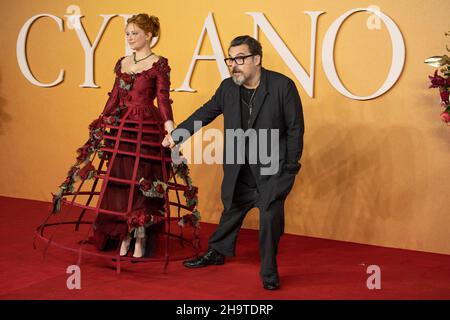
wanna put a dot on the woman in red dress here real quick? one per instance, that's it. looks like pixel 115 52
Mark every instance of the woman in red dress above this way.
pixel 128 137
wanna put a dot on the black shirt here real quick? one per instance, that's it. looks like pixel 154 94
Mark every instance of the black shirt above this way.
pixel 246 95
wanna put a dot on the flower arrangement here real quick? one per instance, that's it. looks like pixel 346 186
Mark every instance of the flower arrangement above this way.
pixel 190 194
pixel 155 189
pixel 83 168
pixel 441 79
pixel 158 188
pixel 138 220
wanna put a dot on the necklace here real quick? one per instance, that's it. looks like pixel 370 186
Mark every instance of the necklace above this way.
pixel 136 61
pixel 250 102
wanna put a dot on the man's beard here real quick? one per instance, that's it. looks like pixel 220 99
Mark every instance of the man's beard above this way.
pixel 238 78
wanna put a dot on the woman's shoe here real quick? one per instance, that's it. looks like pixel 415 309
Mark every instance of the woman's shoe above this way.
pixel 125 246
pixel 139 248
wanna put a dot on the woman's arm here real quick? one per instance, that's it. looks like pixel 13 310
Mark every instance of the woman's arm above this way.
pixel 163 93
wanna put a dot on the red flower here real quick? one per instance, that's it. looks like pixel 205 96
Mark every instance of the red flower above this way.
pixel 436 80
pixel 445 116
pixel 142 219
pixel 83 152
pixel 182 170
pixel 84 172
pixel 127 78
pixel 137 219
pixel 444 96
pixel 95 124
pixel 159 188
pixel 144 185
pixel 191 193
pixel 97 135
pixel 85 148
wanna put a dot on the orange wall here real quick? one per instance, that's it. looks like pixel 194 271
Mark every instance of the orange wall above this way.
pixel 374 171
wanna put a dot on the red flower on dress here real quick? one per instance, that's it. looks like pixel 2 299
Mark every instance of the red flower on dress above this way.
pixel 86 171
pixel 127 78
pixel 137 219
pixel 144 185
pixel 96 124
pixel 126 82
pixel 159 188
pixel 83 152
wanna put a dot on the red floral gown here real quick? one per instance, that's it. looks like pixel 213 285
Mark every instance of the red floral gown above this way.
pixel 130 106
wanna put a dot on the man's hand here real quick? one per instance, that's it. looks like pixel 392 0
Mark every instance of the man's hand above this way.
pixel 168 141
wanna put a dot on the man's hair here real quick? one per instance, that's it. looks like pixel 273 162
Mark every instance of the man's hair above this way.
pixel 253 45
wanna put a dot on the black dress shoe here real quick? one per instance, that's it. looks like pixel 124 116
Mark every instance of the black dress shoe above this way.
pixel 210 257
pixel 271 285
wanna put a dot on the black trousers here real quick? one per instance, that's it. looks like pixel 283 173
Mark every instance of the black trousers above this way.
pixel 271 224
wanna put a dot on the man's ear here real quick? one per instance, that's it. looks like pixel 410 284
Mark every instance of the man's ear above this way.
pixel 257 59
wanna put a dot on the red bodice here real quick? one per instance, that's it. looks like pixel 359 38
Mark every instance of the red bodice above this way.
pixel 139 90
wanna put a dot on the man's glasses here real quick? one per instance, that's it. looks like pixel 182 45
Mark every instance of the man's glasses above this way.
pixel 239 60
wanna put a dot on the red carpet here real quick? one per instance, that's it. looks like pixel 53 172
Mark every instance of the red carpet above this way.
pixel 310 268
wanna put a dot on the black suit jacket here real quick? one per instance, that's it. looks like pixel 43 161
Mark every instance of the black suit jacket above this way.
pixel 277 106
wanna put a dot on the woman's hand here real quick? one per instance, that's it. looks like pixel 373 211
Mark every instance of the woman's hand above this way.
pixel 169 126
pixel 168 141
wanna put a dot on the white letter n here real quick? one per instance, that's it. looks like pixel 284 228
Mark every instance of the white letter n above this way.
pixel 306 81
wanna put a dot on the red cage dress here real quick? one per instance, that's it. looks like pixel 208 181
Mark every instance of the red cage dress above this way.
pixel 134 169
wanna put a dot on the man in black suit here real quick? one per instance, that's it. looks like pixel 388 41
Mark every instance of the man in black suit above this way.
pixel 263 104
